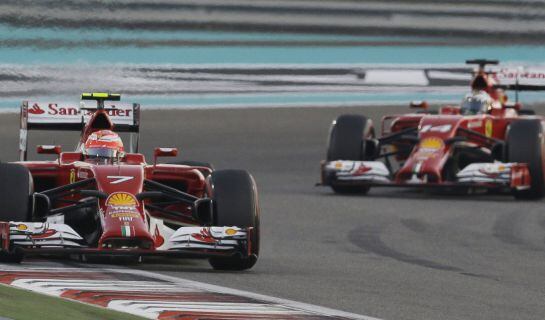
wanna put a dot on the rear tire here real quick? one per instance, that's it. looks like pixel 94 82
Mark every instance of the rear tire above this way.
pixel 525 145
pixel 234 195
pixel 347 142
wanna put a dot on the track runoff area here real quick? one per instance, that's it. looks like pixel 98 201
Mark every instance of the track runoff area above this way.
pixel 393 254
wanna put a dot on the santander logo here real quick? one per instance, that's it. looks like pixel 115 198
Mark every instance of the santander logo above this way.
pixel 36 109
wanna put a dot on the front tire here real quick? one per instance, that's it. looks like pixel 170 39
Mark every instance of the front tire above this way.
pixel 234 195
pixel 347 141
pixel 16 190
pixel 525 145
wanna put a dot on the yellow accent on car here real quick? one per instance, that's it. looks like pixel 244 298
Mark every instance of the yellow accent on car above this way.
pixel 100 95
pixel 488 128
pixel 72 175
pixel 122 199
pixel 431 143
pixel 230 232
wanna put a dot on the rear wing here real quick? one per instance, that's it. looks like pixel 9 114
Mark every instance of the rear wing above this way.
pixel 520 78
pixel 73 117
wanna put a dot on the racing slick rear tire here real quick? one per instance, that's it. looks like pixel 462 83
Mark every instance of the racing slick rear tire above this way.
pixel 16 188
pixel 347 142
pixel 234 195
pixel 525 145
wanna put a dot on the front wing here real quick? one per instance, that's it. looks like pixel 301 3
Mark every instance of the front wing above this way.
pixel 495 175
pixel 36 238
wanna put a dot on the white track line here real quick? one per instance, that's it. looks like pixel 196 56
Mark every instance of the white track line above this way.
pixel 165 283
pixel 219 289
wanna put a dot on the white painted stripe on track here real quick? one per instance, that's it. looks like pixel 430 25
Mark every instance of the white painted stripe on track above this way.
pixel 57 287
pixel 309 308
pixel 153 310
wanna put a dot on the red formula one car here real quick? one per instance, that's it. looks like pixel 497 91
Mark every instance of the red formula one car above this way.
pixel 101 200
pixel 485 143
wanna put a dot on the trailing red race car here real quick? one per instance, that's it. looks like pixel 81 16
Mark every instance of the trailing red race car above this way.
pixel 484 143
pixel 102 200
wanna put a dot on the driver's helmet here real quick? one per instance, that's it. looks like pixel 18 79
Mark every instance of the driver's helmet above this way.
pixel 103 144
pixel 476 103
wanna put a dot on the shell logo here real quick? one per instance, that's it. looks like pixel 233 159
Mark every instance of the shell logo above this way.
pixel 230 232
pixel 431 144
pixel 122 199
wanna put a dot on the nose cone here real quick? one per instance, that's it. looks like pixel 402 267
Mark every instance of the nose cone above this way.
pixel 426 161
pixel 125 226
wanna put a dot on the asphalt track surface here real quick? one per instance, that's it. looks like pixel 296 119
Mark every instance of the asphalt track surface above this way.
pixel 393 254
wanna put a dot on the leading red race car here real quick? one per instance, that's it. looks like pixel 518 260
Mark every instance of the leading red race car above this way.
pixel 485 143
pixel 101 200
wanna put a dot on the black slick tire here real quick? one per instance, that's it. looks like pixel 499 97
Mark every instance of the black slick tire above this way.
pixel 525 144
pixel 347 142
pixel 16 190
pixel 234 195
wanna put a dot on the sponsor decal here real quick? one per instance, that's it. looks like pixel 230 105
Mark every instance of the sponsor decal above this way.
pixel 488 128
pixel 121 199
pixel 54 109
pixel 119 179
pixel 474 124
pixel 35 109
pixel 83 174
pixel 125 214
pixel 71 113
pixel 22 227
pixel 431 145
pixel 442 128
pixel 72 175
pixel 122 206
pixel 230 232
pixel 428 148
pixel 514 74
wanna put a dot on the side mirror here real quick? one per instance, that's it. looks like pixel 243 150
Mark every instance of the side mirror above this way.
pixel 419 105
pixel 164 152
pixel 49 149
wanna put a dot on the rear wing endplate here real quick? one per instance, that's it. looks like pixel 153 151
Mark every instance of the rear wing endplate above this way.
pixel 72 117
